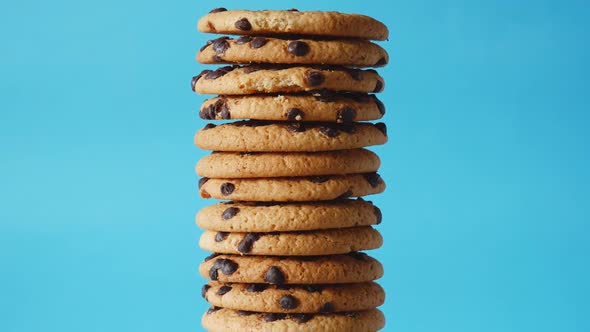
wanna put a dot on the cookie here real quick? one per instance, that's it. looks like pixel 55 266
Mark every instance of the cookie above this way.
pixel 265 217
pixel 343 108
pixel 292 22
pixel 337 269
pixel 309 243
pixel 247 49
pixel 227 320
pixel 259 136
pixel 295 298
pixel 279 164
pixel 299 189
pixel 252 79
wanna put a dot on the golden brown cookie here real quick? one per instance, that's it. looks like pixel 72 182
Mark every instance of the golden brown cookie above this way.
pixel 227 320
pixel 299 189
pixel 280 164
pixel 269 217
pixel 343 108
pixel 259 136
pixel 292 22
pixel 309 243
pixel 294 298
pixel 248 49
pixel 337 269
pixel 252 79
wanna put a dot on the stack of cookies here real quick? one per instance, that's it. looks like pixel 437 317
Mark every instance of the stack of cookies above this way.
pixel 286 242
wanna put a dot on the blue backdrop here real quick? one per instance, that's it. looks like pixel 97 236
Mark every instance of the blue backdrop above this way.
pixel 487 210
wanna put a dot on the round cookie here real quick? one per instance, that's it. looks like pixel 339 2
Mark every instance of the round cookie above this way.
pixel 258 136
pixel 337 269
pixel 299 189
pixel 310 243
pixel 292 22
pixel 252 79
pixel 295 298
pixel 265 217
pixel 342 108
pixel 247 49
pixel 227 320
pixel 279 164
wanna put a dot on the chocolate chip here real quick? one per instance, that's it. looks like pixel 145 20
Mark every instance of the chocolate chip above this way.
pixel 243 40
pixel 245 313
pixel 220 236
pixel 252 68
pixel 196 78
pixel 256 288
pixel 225 115
pixel 230 213
pixel 245 246
pixel 227 267
pixel 313 288
pixel 207 44
pixel 288 302
pixel 382 62
pixel 359 256
pixel 210 257
pixel 271 317
pixel 243 24
pixel 380 105
pixel 258 42
pixel 296 127
pixel 211 75
pixel 346 114
pixel 329 131
pixel 382 127
pixel 227 188
pixel 314 78
pixel 373 178
pixel 355 74
pixel 327 307
pixel 218 10
pixel 319 178
pixel 301 318
pixel 212 310
pixel 217 58
pixel 298 48
pixel 223 290
pixel 378 214
pixel 209 126
pixel 204 291
pixel 345 194
pixel 220 45
pixel 293 10
pixel 274 275
pixel 202 181
pixel 295 114
pixel 378 86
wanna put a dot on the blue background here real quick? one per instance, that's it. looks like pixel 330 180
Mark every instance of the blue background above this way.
pixel 486 214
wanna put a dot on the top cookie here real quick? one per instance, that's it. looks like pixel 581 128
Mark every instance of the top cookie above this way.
pixel 292 22
pixel 247 49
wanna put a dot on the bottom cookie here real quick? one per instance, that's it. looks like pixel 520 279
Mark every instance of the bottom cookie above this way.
pixel 222 320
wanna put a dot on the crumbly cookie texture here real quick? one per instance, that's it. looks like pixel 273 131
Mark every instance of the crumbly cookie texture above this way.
pixel 252 79
pixel 224 320
pixel 292 22
pixel 310 243
pixel 336 269
pixel 295 298
pixel 247 49
pixel 297 189
pixel 280 164
pixel 268 217
pixel 343 108
pixel 258 136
